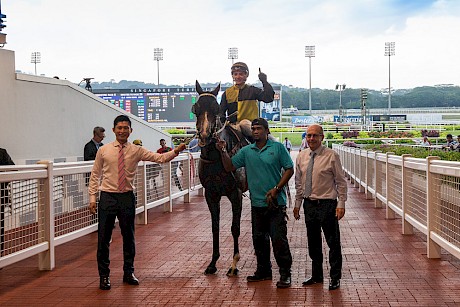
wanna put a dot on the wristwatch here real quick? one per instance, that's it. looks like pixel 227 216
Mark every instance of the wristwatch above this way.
pixel 277 188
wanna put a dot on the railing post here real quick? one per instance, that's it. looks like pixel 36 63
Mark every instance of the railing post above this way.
pixel 352 165
pixel 368 176
pixel 407 228
pixel 378 190
pixel 433 249
pixel 390 214
pixel 357 168
pixel 187 166
pixel 362 170
pixel 349 164
pixel 142 197
pixel 168 205
pixel 46 260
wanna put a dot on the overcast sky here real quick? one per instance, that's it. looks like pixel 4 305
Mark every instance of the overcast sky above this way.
pixel 113 39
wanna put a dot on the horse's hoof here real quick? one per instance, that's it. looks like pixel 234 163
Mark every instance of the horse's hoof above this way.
pixel 232 272
pixel 210 270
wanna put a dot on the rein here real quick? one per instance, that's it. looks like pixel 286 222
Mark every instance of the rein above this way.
pixel 192 161
pixel 227 122
pixel 196 145
pixel 192 170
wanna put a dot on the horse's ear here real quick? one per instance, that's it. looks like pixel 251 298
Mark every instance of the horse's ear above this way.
pixel 199 90
pixel 216 90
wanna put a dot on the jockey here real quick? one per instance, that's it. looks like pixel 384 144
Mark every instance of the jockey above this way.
pixel 240 102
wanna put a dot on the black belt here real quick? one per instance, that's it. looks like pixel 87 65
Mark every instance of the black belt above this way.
pixel 118 193
pixel 320 201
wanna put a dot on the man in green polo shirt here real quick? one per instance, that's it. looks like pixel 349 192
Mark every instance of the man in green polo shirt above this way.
pixel 264 160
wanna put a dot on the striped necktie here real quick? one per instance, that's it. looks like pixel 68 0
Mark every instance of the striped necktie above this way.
pixel 309 175
pixel 121 170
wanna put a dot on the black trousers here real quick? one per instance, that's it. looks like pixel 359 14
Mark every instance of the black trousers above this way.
pixel 272 224
pixel 112 205
pixel 320 215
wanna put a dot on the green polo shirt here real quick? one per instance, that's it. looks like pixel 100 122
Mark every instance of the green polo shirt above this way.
pixel 263 169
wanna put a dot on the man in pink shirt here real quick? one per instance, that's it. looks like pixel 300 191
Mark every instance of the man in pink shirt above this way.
pixel 321 188
pixel 116 163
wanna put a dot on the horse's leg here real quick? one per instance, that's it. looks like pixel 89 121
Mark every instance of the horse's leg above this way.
pixel 213 202
pixel 237 205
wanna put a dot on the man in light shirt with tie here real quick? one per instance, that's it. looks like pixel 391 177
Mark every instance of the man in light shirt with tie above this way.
pixel 116 163
pixel 322 189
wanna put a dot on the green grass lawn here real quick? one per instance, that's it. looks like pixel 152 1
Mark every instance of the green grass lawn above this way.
pixel 294 137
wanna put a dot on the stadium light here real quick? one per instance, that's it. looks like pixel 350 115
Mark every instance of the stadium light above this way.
pixel 2 20
pixel 340 88
pixel 232 54
pixel 35 59
pixel 2 16
pixel 158 56
pixel 389 51
pixel 309 53
pixel 363 104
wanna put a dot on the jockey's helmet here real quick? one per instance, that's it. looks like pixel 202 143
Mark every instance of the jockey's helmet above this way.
pixel 241 67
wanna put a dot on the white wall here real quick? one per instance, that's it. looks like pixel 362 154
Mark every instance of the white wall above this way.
pixel 46 119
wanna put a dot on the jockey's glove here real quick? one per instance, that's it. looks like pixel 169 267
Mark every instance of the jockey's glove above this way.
pixel 262 77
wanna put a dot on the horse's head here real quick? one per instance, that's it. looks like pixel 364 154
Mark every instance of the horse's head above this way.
pixel 206 110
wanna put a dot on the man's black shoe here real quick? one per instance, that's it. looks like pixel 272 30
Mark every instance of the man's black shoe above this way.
pixel 104 283
pixel 312 281
pixel 334 284
pixel 284 282
pixel 130 279
pixel 259 277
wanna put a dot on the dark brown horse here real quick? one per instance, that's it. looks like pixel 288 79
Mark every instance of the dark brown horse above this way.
pixel 215 180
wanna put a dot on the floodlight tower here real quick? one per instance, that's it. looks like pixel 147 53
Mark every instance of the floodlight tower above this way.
pixel 389 51
pixel 2 20
pixel 35 59
pixel 233 54
pixel 158 56
pixel 309 53
pixel 340 87
pixel 363 105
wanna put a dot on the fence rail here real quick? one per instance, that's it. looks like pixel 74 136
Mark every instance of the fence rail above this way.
pixel 425 193
pixel 45 205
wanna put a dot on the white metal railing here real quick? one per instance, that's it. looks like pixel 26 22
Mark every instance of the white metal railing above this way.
pixel 425 193
pixel 46 204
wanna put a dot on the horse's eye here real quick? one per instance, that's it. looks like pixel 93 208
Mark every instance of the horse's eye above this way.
pixel 194 109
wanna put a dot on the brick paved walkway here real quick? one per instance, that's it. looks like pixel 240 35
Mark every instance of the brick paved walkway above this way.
pixel 381 266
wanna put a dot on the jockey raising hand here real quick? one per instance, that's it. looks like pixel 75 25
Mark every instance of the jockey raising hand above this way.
pixel 239 103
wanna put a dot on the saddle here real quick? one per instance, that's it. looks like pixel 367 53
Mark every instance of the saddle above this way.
pixel 239 140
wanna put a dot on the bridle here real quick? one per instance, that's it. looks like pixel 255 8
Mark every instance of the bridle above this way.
pixel 214 132
pixel 217 132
